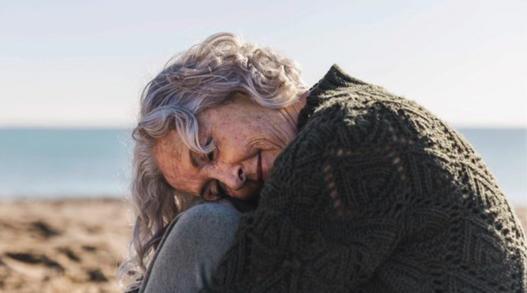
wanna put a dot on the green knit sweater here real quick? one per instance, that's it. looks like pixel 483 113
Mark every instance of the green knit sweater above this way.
pixel 375 194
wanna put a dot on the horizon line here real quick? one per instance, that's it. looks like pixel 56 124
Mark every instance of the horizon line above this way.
pixel 131 126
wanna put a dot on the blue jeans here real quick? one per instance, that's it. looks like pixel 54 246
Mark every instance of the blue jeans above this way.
pixel 191 248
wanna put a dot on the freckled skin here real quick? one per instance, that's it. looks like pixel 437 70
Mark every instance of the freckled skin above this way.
pixel 242 132
pixel 166 146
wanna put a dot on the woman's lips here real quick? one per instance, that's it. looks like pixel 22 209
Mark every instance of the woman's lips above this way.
pixel 259 167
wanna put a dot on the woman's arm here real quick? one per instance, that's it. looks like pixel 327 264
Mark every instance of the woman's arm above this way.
pixel 329 214
pixel 376 195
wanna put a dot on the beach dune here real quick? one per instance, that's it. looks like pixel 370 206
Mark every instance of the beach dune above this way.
pixel 67 245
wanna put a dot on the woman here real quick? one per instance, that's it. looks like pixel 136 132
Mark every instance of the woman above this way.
pixel 357 189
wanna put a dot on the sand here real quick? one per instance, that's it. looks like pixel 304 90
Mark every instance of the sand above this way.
pixel 62 246
pixel 68 245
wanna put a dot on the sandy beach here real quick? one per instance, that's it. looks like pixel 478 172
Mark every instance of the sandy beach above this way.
pixel 62 246
pixel 68 245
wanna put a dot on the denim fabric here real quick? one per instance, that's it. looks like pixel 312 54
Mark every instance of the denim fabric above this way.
pixel 191 248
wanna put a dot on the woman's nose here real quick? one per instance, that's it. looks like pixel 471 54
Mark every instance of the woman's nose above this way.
pixel 233 177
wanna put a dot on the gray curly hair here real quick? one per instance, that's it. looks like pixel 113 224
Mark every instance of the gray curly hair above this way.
pixel 202 77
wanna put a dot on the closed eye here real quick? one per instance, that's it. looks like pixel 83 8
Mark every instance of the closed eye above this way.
pixel 210 155
pixel 215 191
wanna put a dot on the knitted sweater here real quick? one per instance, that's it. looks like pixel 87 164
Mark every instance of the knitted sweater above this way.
pixel 375 194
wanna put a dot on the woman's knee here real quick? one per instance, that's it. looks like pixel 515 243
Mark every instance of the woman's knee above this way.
pixel 209 218
pixel 192 249
pixel 204 230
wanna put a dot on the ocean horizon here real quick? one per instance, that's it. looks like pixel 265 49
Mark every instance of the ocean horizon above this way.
pixel 61 163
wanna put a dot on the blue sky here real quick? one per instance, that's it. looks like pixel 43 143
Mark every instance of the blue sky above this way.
pixel 84 63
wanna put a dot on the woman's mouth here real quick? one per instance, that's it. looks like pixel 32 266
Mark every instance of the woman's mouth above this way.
pixel 259 167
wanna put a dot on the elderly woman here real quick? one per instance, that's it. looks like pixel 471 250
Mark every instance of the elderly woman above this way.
pixel 358 190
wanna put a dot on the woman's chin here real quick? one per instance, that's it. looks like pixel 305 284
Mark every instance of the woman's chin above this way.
pixel 244 205
pixel 252 196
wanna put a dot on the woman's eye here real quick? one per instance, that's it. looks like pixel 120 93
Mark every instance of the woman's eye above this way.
pixel 216 191
pixel 210 156
pixel 211 197
pixel 221 191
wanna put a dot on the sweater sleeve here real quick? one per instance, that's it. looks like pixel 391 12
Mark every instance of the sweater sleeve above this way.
pixel 330 212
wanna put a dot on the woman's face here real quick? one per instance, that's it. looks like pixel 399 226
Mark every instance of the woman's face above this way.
pixel 248 139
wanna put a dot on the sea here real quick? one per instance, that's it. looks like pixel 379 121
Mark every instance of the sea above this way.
pixel 84 163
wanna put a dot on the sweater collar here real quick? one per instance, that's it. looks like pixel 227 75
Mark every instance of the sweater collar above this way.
pixel 321 92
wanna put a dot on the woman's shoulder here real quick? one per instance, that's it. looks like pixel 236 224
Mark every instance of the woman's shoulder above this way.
pixel 340 95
